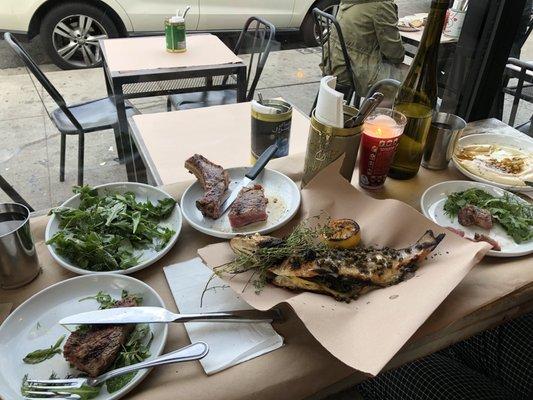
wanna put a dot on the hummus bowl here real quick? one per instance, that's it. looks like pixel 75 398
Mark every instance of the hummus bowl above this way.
pixel 501 160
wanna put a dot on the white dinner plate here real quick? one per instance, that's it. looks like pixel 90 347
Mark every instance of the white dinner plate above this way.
pixel 432 205
pixel 283 202
pixel 34 325
pixel 494 138
pixel 142 193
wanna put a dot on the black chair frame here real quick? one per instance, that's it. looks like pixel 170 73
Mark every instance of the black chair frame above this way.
pixel 325 22
pixel 260 31
pixel 58 99
pixel 525 80
pixel 13 194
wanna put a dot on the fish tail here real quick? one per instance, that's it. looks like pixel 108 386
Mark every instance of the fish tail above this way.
pixel 429 241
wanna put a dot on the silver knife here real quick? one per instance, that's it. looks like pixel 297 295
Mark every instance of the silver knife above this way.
pixel 259 165
pixel 140 315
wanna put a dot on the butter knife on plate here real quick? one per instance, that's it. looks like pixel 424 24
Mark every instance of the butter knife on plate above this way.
pixel 259 165
pixel 142 315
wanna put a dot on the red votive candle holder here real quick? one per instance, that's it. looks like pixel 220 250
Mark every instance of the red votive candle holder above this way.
pixel 381 134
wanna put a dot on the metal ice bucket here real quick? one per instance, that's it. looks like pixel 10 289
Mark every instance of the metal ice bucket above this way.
pixel 18 259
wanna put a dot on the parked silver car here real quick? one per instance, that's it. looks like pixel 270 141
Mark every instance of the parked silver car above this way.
pixel 70 29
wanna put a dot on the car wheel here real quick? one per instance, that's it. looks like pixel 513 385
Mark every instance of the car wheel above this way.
pixel 70 34
pixel 309 29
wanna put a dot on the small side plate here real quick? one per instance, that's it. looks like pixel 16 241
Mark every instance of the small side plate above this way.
pixel 432 205
pixel 283 202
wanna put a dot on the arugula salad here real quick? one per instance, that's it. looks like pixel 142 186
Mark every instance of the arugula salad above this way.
pixel 105 231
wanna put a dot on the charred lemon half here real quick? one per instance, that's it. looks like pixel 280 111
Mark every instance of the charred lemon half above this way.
pixel 342 234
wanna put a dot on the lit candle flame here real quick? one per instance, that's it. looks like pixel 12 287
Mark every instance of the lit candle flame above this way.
pixel 378 132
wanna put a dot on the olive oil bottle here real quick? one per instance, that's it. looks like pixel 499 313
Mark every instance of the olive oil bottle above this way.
pixel 417 97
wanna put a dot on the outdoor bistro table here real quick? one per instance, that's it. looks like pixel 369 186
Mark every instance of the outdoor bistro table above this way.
pixel 494 291
pixel 141 67
pixel 163 147
pixel 414 38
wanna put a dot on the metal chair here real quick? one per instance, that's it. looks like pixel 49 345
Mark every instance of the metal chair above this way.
pixel 262 33
pixel 13 194
pixel 77 119
pixel 523 71
pixel 325 23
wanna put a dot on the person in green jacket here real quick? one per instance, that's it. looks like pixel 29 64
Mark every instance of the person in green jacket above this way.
pixel 370 30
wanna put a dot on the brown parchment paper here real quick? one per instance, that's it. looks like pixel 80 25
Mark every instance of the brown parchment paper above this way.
pixel 145 53
pixel 365 334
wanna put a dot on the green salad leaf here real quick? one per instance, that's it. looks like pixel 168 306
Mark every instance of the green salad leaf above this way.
pixel 103 232
pixel 515 217
pixel 38 356
pixel 136 349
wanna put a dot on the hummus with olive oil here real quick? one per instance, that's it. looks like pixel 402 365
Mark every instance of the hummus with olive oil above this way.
pixel 496 163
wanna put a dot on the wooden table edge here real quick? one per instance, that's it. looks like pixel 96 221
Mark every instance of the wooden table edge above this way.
pixel 143 152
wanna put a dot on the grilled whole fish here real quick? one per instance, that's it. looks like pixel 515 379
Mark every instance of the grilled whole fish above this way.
pixel 343 273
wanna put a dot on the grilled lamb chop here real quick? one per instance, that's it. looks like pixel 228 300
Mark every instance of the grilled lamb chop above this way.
pixel 471 215
pixel 95 350
pixel 248 207
pixel 214 181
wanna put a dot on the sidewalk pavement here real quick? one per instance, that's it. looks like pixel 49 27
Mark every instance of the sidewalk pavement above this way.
pixel 29 155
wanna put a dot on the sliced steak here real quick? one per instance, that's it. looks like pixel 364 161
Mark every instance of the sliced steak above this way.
pixel 249 207
pixel 471 215
pixel 95 350
pixel 214 181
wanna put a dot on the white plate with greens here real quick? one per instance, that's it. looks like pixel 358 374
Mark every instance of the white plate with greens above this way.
pixel 34 325
pixel 115 233
pixel 515 235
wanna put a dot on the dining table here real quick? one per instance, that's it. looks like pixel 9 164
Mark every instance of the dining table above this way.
pixel 136 67
pixel 494 291
pixel 165 140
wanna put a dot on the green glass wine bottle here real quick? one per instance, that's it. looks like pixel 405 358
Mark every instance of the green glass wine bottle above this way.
pixel 417 96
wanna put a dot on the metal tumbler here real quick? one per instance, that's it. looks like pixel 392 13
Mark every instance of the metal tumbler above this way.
pixel 18 259
pixel 442 138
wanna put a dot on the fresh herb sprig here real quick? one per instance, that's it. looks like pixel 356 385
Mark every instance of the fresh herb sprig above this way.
pixel 304 239
pixel 515 217
pixel 107 301
pixel 136 349
pixel 103 232
pixel 38 356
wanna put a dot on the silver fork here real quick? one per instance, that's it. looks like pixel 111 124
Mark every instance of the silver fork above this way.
pixel 58 388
